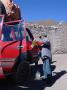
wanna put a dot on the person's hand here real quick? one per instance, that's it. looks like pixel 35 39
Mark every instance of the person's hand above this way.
pixel 10 5
pixel 10 11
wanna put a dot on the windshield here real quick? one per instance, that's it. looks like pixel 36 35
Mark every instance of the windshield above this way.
pixel 13 32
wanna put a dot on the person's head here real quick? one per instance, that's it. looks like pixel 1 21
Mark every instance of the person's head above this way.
pixel 7 0
pixel 44 35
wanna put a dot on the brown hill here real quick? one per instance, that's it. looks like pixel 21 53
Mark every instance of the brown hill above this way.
pixel 45 22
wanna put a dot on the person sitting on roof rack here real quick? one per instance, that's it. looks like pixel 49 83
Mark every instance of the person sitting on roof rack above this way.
pixel 10 10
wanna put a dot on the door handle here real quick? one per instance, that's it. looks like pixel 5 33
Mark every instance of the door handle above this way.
pixel 19 47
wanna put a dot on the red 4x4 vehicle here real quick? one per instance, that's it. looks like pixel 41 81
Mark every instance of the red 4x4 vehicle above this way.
pixel 16 51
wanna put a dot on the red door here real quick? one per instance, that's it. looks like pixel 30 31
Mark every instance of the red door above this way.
pixel 9 45
pixel 9 52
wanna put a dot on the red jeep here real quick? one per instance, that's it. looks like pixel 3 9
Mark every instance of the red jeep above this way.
pixel 16 51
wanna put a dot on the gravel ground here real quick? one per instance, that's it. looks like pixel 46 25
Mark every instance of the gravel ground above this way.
pixel 61 73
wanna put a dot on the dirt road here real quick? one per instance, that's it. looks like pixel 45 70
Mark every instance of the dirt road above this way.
pixel 59 81
pixel 61 73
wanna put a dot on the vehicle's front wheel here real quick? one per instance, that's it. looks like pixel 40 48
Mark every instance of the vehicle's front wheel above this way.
pixel 23 72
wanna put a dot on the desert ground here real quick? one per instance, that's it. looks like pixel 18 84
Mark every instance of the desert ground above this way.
pixel 59 80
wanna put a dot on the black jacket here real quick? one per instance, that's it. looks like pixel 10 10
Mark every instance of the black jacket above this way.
pixel 2 8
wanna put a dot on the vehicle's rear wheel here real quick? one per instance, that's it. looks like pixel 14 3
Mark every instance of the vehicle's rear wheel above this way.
pixel 23 72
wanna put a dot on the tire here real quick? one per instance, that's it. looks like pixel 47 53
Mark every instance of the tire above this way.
pixel 23 72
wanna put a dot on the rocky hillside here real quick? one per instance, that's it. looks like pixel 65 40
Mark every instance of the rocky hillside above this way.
pixel 57 33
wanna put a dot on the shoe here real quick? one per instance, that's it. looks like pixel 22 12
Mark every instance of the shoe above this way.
pixel 49 79
pixel 44 78
pixel 37 76
pixel 49 76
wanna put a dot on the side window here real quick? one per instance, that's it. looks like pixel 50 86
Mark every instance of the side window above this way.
pixel 6 34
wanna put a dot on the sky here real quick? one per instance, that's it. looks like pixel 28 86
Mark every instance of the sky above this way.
pixel 37 10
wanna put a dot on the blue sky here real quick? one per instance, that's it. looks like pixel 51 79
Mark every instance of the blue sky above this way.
pixel 36 10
